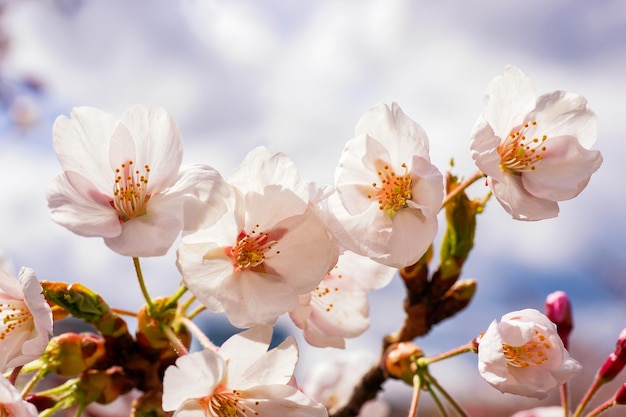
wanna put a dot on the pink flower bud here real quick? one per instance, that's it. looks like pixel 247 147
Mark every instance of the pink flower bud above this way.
pixel 620 395
pixel 559 311
pixel 616 360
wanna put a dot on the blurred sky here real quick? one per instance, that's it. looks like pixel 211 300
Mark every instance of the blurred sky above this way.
pixel 296 76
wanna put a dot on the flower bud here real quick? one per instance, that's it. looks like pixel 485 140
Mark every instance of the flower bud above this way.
pixel 70 354
pixel 400 360
pixel 616 360
pixel 559 311
pixel 41 402
pixel 104 386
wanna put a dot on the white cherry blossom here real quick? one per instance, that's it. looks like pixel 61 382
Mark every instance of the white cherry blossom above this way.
pixel 25 319
pixel 241 378
pixel 524 355
pixel 122 179
pixel 11 402
pixel 534 150
pixel 388 192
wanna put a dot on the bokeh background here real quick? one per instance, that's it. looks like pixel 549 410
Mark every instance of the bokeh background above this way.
pixel 296 76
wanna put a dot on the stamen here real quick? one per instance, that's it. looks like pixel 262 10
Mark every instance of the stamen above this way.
pixel 226 404
pixel 394 190
pixel 521 151
pixel 534 352
pixel 14 315
pixel 130 191
pixel 251 250
pixel 319 295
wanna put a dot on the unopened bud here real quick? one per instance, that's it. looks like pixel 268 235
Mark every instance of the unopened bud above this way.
pixel 400 360
pixel 559 311
pixel 70 354
pixel 41 402
pixel 104 386
pixel 616 360
pixel 620 395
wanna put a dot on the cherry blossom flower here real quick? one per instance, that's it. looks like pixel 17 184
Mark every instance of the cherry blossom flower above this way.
pixel 25 319
pixel 11 402
pixel 241 378
pixel 524 355
pixel 388 192
pixel 535 151
pixel 122 179
pixel 338 307
pixel 252 253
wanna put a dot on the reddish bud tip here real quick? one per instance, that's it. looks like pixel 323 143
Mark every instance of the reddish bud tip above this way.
pixel 620 395
pixel 559 311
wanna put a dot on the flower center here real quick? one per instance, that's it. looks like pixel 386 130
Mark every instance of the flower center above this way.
pixel 227 404
pixel 522 150
pixel 130 191
pixel 251 250
pixel 394 190
pixel 319 294
pixel 534 352
pixel 14 315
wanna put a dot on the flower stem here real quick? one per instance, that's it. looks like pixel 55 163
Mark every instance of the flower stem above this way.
pixel 602 408
pixel 196 311
pixel 461 187
pixel 597 383
pixel 14 374
pixel 42 372
pixel 142 285
pixel 124 312
pixel 448 397
pixel 202 338
pixel 176 296
pixel 417 388
pixel 449 354
pixel 437 401
pixel 565 400
pixel 177 345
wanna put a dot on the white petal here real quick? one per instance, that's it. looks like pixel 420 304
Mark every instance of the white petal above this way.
pixel 157 141
pixel 564 171
pixel 519 203
pixel 273 367
pixel 508 99
pixel 194 375
pixel 85 213
pixel 243 349
pixel 282 400
pixel 81 144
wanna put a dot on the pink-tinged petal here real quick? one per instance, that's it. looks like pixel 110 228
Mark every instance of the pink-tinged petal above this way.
pixel 151 234
pixel 158 143
pixel 81 144
pixel 273 367
pixel 194 375
pixel 519 203
pixel 362 157
pixel 41 312
pixel 565 114
pixel 243 349
pixel 564 171
pixel 427 187
pixel 484 148
pixel 394 130
pixel 271 206
pixel 268 169
pixel 340 313
pixel 12 403
pixel 85 213
pixel 509 97
pixel 251 298
pixel 404 248
pixel 10 288
pixel 121 149
pixel 282 400
pixel 307 251
pixel 204 266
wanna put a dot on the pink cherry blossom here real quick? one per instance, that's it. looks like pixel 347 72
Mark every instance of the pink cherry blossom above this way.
pixel 241 378
pixel 524 355
pixel 534 150
pixel 338 307
pixel 11 402
pixel 388 192
pixel 25 319
pixel 254 250
pixel 122 179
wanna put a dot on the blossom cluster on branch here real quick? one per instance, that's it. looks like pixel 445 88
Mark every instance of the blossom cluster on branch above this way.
pixel 263 243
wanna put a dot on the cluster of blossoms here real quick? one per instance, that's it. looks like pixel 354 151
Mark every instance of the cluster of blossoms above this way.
pixel 262 243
